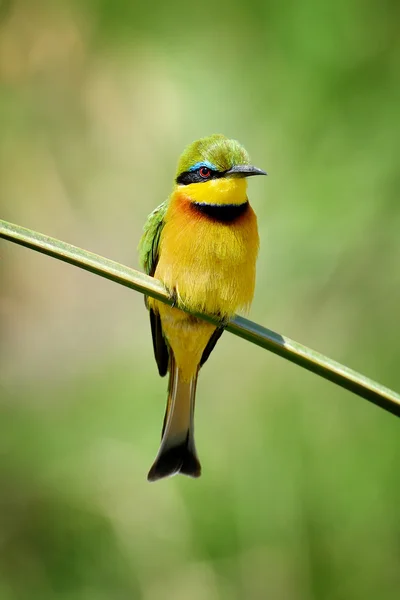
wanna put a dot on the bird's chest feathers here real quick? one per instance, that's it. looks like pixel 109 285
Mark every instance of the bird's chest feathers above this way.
pixel 209 262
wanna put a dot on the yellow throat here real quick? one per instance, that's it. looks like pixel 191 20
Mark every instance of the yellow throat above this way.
pixel 225 190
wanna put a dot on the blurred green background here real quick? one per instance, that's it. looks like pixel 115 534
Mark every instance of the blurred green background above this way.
pixel 300 493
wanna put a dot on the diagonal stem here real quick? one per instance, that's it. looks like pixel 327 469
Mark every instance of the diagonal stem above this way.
pixel 252 332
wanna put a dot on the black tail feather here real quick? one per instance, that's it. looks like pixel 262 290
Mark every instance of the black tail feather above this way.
pixel 176 459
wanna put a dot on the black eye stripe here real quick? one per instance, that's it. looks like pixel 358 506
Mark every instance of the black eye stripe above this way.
pixel 188 177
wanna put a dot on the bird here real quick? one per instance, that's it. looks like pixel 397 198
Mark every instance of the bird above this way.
pixel 202 243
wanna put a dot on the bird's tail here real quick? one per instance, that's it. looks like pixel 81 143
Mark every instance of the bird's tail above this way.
pixel 177 453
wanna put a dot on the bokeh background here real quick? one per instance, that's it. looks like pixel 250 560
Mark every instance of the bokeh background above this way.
pixel 300 493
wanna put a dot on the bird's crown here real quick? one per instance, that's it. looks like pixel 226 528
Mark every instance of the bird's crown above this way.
pixel 215 152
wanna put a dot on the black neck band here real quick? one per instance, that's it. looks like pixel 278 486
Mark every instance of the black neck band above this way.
pixel 224 213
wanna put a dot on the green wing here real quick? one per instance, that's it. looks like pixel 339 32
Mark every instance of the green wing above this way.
pixel 149 247
pixel 150 241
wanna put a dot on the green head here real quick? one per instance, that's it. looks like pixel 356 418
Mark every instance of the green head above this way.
pixel 214 157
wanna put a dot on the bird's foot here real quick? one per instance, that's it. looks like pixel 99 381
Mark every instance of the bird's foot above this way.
pixel 173 295
pixel 223 321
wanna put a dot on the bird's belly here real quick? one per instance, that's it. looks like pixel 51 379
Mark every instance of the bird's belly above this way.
pixel 210 265
pixel 187 337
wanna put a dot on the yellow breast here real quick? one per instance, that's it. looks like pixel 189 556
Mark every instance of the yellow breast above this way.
pixel 210 265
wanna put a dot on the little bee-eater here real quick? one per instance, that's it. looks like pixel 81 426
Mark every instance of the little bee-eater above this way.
pixel 202 243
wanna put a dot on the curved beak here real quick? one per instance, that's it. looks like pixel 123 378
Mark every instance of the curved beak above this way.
pixel 244 171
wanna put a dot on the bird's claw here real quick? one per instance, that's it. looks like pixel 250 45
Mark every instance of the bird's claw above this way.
pixel 174 298
pixel 224 322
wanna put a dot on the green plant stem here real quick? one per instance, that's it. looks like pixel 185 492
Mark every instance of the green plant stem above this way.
pixel 274 342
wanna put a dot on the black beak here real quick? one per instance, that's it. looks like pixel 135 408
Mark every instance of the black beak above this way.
pixel 244 171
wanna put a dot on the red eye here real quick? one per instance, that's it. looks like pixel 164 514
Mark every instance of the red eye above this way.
pixel 204 172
